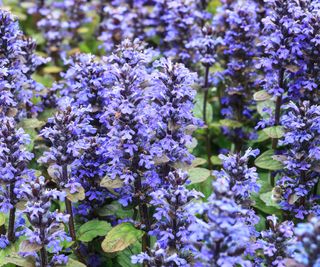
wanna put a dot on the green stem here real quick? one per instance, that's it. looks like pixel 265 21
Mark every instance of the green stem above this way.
pixel 204 115
pixel 277 119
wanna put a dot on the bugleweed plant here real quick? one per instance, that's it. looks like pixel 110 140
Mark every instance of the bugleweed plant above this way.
pixel 160 133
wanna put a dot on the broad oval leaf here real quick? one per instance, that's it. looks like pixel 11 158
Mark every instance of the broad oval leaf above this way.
pixel 198 161
pixel 92 229
pixel 76 197
pixel 16 259
pixel 115 209
pixel 268 199
pixel 31 123
pixel 107 182
pixel 215 160
pixel 266 161
pixel 27 246
pixel 274 132
pixel 261 96
pixel 52 69
pixel 261 205
pixel 198 108
pixel 198 175
pixel 120 237
pixel 230 123
pixel 73 263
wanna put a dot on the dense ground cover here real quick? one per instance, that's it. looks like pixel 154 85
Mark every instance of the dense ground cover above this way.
pixel 160 133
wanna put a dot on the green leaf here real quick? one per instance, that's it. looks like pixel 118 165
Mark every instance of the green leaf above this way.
pixel 27 246
pixel 2 219
pixel 192 145
pixel 52 69
pixel 46 114
pixel 266 161
pixel 265 104
pixel 76 197
pixel 116 209
pixel 215 128
pixel 268 199
pixel 107 182
pixel 124 257
pixel 46 80
pixel 120 237
pixel 198 161
pixel 74 263
pixel 198 108
pixel 31 123
pixel 17 260
pixel 92 229
pixel 264 182
pixel 261 96
pixel 260 205
pixel 198 175
pixel 230 123
pixel 274 132
pixel 215 160
pixel 262 136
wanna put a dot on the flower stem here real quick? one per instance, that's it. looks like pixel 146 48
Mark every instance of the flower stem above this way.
pixel 204 115
pixel 69 210
pixel 277 118
pixel 71 220
pixel 143 209
pixel 43 257
pixel 12 214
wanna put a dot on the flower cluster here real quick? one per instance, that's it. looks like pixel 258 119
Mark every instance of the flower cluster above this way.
pixel 127 119
pixel 300 176
pixel 172 222
pixel 172 98
pixel 14 160
pixel 236 48
pixel 241 178
pixel 89 173
pixel 281 44
pixel 218 236
pixel 275 240
pixel 65 133
pixel 178 23
pixel 205 46
pixel 18 63
pixel 14 172
pixel 122 20
pixel 87 80
pixel 46 233
pixel 306 249
pixel 60 25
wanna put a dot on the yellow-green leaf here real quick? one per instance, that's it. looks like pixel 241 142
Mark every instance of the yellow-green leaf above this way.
pixel 215 160
pixel 230 123
pixel 31 123
pixel 198 161
pixel 274 131
pixel 266 161
pixel 52 69
pixel 120 237
pixel 198 175
pixel 261 96
pixel 27 246
pixel 76 197
pixel 107 182
pixel 92 229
